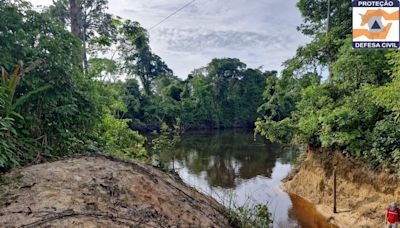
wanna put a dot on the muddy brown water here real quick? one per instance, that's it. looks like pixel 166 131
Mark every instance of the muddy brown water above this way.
pixel 237 170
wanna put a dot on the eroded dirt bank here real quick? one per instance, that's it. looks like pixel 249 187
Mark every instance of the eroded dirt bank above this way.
pixel 362 196
pixel 99 192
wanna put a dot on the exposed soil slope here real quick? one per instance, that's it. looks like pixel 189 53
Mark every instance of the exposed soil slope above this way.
pixel 99 192
pixel 362 195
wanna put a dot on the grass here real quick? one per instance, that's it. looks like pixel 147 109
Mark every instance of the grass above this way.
pixel 249 216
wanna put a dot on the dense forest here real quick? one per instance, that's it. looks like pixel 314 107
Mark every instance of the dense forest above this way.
pixel 97 87
pixel 355 109
pixel 94 88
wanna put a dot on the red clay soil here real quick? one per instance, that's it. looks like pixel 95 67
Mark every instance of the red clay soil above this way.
pixel 102 192
pixel 362 194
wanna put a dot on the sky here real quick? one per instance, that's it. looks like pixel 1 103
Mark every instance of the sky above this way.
pixel 258 32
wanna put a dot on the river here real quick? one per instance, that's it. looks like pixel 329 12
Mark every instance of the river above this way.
pixel 237 170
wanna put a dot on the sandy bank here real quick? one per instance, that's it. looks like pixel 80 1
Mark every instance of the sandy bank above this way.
pixel 362 196
pixel 99 192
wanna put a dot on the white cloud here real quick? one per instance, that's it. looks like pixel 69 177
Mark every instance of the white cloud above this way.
pixel 259 32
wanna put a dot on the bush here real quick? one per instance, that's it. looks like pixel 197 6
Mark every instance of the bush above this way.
pixel 257 216
pixel 119 139
pixel 8 151
pixel 276 131
pixel 385 140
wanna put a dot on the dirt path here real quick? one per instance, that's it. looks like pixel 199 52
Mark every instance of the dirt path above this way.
pixel 99 192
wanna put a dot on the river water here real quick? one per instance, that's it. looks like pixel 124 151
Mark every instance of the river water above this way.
pixel 237 170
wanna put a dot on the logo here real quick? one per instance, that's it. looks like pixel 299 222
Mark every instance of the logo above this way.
pixel 376 24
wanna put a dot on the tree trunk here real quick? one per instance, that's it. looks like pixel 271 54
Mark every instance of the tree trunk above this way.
pixel 85 59
pixel 146 84
pixel 75 10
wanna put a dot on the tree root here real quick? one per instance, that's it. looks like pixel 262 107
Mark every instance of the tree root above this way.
pixel 71 213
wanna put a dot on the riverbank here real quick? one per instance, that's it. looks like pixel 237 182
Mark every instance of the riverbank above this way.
pixel 89 192
pixel 362 195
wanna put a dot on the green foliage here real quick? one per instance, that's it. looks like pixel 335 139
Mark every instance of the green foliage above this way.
pixel 315 13
pixel 96 29
pixel 257 216
pixel 386 140
pixel 388 95
pixel 119 139
pixel 165 142
pixel 327 38
pixel 223 94
pixel 137 56
pixel 282 96
pixel 11 151
pixel 113 130
pixel 8 87
pixel 275 131
pixel 64 108
pixel 8 151
pixel 103 69
pixel 315 102
pixel 58 110
pixel 55 110
pixel 354 68
pixel 354 110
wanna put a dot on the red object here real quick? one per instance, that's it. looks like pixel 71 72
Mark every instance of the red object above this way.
pixel 392 215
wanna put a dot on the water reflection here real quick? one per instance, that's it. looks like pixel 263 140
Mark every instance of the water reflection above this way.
pixel 229 156
pixel 230 166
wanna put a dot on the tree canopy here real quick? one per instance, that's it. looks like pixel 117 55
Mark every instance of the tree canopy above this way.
pixel 62 91
pixel 75 100
pixel 353 110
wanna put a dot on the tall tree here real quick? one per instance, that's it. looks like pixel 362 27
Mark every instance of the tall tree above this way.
pixel 75 13
pixel 327 34
pixel 137 56
pixel 88 20
pixel 225 93
pixel 75 9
